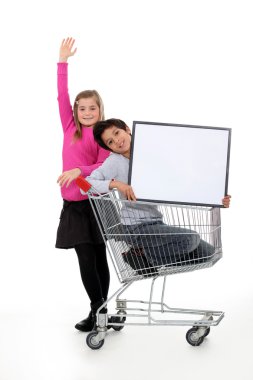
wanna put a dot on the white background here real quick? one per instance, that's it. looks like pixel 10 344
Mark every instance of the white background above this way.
pixel 181 61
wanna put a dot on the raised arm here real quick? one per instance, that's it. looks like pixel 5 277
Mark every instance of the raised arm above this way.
pixel 65 108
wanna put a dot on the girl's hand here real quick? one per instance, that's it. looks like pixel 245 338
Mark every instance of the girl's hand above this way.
pixel 226 201
pixel 125 189
pixel 66 49
pixel 68 176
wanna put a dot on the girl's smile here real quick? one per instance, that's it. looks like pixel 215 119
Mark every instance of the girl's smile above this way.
pixel 88 112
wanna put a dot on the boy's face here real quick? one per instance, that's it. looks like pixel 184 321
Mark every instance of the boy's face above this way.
pixel 118 140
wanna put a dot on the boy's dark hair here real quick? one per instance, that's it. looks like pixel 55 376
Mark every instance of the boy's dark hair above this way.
pixel 101 126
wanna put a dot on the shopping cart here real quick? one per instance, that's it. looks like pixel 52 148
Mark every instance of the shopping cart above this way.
pixel 172 239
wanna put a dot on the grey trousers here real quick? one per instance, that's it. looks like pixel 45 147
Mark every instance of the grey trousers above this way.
pixel 163 244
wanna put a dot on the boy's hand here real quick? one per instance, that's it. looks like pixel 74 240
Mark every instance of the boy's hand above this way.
pixel 226 201
pixel 68 176
pixel 66 49
pixel 125 189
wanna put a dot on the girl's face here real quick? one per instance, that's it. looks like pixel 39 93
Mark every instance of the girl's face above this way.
pixel 88 112
pixel 118 140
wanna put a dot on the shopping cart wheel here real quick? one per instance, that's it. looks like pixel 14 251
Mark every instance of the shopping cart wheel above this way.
pixel 192 338
pixel 92 342
pixel 117 320
pixel 206 332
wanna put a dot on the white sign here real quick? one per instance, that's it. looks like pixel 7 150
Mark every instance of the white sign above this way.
pixel 184 164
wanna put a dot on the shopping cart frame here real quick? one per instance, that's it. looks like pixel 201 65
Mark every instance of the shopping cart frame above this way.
pixel 139 312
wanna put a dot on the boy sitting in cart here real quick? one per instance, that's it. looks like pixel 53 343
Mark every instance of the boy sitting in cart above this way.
pixel 152 242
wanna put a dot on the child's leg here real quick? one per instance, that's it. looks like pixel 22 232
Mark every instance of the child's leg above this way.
pixel 96 277
pixel 203 252
pixel 102 269
pixel 86 254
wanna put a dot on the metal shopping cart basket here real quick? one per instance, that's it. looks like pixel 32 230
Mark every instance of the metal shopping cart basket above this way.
pixel 162 239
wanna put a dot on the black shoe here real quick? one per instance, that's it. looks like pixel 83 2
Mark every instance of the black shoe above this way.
pixel 86 324
pixel 89 323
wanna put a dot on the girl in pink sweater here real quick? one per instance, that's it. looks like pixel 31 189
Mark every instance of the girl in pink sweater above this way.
pixel 78 228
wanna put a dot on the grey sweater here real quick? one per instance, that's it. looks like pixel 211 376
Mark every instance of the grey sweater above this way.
pixel 116 167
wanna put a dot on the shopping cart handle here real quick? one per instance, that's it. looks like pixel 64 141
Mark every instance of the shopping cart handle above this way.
pixel 83 184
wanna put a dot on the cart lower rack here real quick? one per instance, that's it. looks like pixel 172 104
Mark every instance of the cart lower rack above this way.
pixel 148 240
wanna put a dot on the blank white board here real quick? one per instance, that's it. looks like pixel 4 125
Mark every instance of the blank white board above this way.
pixel 179 163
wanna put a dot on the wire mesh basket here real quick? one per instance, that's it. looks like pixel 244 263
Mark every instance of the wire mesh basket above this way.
pixel 169 239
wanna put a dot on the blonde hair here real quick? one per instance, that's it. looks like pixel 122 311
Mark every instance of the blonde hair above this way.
pixel 85 95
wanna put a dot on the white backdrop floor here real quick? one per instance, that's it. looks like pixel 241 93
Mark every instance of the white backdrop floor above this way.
pixel 41 343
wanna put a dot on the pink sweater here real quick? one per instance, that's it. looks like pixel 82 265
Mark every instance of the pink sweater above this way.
pixel 84 154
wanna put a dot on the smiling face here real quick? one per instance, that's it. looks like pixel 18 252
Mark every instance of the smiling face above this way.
pixel 117 140
pixel 88 112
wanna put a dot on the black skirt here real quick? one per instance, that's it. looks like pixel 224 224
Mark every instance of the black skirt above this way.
pixel 77 225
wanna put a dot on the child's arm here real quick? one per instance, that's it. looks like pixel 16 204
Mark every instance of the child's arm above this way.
pixel 102 155
pixel 68 176
pixel 65 108
pixel 125 189
pixel 101 177
pixel 106 177
pixel 97 179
